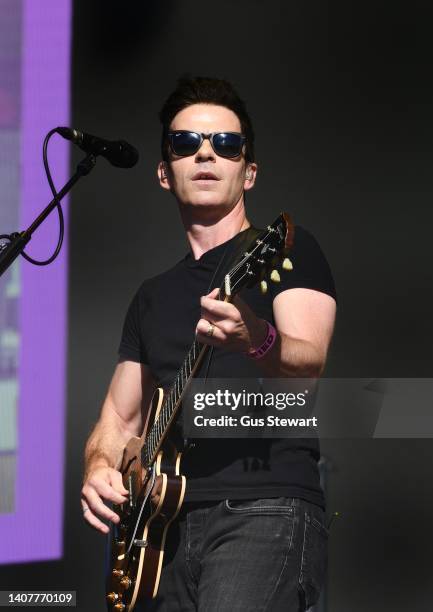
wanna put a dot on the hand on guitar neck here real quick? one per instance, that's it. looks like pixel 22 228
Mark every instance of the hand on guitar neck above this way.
pixel 234 325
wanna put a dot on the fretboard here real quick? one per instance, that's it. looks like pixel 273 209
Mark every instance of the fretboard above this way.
pixel 171 402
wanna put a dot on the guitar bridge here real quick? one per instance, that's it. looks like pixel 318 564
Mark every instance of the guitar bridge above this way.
pixel 140 543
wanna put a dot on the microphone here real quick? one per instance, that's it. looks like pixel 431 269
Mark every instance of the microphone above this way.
pixel 118 152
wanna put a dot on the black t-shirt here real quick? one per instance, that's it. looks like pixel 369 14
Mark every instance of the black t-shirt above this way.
pixel 158 331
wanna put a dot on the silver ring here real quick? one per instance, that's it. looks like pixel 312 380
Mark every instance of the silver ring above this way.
pixel 210 330
pixel 85 509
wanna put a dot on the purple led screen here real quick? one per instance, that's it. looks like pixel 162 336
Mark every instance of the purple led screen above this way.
pixel 34 97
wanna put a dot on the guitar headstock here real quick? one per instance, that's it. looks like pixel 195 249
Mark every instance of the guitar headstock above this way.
pixel 264 255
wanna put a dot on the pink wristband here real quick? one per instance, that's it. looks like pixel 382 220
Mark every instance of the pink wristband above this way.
pixel 259 352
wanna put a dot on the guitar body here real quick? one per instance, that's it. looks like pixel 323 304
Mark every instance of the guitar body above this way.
pixel 138 541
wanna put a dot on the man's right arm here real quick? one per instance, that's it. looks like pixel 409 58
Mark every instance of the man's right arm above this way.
pixel 122 417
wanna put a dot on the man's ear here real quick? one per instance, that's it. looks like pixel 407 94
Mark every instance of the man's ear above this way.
pixel 250 175
pixel 163 175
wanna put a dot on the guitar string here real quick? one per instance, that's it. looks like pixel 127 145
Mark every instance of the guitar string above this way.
pixel 176 382
pixel 160 426
pixel 231 274
pixel 154 431
pixel 154 443
pixel 236 268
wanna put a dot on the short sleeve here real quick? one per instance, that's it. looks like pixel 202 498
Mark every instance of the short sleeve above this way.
pixel 310 267
pixel 131 343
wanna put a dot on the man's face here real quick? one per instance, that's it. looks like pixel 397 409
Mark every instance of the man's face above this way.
pixel 206 179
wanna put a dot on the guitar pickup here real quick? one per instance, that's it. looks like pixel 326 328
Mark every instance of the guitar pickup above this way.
pixel 140 543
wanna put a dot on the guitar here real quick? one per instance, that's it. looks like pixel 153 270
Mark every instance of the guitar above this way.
pixel 138 540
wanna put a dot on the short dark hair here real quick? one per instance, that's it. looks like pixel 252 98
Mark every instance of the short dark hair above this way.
pixel 205 90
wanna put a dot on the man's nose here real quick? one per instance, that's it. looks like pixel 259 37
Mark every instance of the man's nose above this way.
pixel 205 151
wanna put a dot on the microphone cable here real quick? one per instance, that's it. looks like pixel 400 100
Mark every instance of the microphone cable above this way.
pixel 58 206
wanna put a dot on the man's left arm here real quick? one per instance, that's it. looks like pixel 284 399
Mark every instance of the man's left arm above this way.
pixel 304 320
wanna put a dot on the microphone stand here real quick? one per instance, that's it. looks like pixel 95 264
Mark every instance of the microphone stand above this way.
pixel 18 240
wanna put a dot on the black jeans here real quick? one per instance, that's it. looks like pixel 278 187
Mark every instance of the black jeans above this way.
pixel 243 556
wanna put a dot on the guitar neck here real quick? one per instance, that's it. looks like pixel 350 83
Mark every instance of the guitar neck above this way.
pixel 172 401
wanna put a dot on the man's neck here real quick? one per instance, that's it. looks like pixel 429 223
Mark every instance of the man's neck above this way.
pixel 203 236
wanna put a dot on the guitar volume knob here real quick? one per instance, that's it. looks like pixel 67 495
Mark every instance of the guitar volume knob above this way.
pixel 126 582
pixel 112 597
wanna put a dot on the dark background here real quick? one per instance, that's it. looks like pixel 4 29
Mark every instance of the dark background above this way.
pixel 340 95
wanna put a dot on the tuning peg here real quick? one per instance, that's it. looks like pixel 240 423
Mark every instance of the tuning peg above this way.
pixel 275 277
pixel 263 286
pixel 287 264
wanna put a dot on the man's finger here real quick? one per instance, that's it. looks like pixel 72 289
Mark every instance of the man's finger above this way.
pixel 202 333
pixel 105 490
pixel 117 482
pixel 94 522
pixel 217 307
pixel 212 317
pixel 213 294
pixel 97 506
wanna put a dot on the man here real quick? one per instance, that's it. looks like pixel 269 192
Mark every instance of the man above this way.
pixel 251 532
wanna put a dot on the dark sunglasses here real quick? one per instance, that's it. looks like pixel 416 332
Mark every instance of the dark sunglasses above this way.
pixel 225 144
